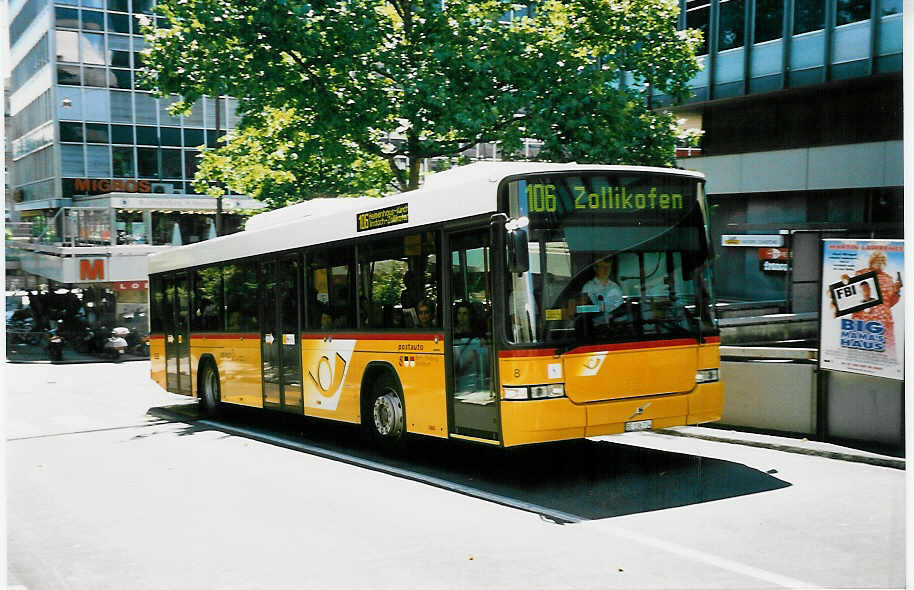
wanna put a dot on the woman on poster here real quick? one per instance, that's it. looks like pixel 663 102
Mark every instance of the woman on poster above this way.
pixel 891 294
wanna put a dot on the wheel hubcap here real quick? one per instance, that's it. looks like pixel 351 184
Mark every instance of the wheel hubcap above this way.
pixel 388 415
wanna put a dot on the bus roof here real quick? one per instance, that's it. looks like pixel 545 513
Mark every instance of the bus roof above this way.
pixel 457 193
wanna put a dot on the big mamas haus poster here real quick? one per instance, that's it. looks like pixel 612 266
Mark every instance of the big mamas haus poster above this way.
pixel 862 317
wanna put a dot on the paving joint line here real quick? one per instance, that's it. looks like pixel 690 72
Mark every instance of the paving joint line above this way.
pixel 893 463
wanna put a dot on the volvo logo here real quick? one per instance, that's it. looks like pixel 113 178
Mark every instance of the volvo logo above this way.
pixel 640 410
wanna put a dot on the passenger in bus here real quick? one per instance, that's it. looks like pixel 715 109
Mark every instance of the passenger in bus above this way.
pixel 425 313
pixel 326 320
pixel 603 292
pixel 470 352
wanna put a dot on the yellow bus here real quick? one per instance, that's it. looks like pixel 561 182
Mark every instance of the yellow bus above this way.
pixel 505 303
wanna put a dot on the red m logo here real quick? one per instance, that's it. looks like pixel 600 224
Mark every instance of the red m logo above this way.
pixel 92 270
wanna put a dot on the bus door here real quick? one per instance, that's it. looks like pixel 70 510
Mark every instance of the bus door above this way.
pixel 280 335
pixel 473 403
pixel 177 334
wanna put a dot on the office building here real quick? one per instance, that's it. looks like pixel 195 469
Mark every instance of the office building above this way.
pixel 800 102
pixel 99 167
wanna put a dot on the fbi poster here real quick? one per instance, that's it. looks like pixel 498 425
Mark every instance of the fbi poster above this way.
pixel 862 318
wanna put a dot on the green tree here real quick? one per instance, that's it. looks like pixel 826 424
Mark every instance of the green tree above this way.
pixel 575 75
pixel 273 158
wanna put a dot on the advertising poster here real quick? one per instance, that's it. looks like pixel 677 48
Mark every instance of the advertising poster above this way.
pixel 862 318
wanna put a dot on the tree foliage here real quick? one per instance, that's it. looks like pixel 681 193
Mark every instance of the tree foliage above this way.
pixel 273 158
pixel 349 73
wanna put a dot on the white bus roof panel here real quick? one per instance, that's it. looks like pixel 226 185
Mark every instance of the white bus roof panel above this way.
pixel 457 193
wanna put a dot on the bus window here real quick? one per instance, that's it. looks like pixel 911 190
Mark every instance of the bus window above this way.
pixel 206 314
pixel 156 301
pixel 240 280
pixel 398 283
pixel 331 289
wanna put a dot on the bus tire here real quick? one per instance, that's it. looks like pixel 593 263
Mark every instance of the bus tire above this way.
pixel 386 413
pixel 210 389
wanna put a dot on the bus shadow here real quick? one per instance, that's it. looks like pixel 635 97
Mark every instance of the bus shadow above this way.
pixel 586 479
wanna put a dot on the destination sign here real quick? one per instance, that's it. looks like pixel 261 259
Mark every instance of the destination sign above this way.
pixel 542 198
pixel 382 217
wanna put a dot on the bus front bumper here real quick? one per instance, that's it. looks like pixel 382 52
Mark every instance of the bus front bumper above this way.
pixel 534 421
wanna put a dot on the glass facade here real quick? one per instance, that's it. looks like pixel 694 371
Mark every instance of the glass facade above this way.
pixel 107 127
pixel 768 18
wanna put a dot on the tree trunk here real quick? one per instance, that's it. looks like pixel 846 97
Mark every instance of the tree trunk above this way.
pixel 413 174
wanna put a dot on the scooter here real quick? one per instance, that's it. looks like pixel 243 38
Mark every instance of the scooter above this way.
pixel 116 344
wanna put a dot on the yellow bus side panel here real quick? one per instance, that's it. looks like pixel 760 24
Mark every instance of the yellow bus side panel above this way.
pixel 525 422
pixel 527 370
pixel 157 361
pixel 706 404
pixel 709 356
pixel 332 374
pixel 238 362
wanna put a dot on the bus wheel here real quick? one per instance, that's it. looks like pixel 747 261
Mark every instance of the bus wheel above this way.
pixel 387 420
pixel 210 391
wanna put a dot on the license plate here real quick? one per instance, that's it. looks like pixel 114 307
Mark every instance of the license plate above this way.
pixel 638 425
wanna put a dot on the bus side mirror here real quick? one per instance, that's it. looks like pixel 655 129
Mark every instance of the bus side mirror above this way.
pixel 518 245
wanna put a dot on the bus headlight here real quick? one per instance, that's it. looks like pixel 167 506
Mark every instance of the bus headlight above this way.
pixel 707 376
pixel 515 392
pixel 550 390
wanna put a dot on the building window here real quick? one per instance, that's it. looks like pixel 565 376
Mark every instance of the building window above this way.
pixel 72 162
pixel 698 13
pixel 122 159
pixel 121 79
pixel 146 135
pixel 69 75
pixel 68 46
pixel 96 133
pixel 118 23
pixel 732 21
pixel 171 163
pixel 769 20
pixel 121 107
pixel 97 77
pixel 93 20
pixel 170 136
pixel 121 134
pixel 98 161
pixel 147 162
pixel 191 162
pixel 96 105
pixel 71 132
pixel 66 18
pixel 809 15
pixel 93 48
pixel 193 137
pixel 852 11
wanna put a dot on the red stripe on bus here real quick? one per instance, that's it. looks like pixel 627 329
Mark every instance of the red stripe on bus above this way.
pixel 712 339
pixel 224 336
pixel 365 336
pixel 599 348
pixel 526 353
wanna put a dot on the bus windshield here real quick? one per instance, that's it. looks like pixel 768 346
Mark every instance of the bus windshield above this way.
pixel 612 258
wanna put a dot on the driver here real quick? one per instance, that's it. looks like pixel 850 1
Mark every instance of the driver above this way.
pixel 603 292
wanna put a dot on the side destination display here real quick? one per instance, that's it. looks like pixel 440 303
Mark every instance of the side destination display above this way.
pixel 382 217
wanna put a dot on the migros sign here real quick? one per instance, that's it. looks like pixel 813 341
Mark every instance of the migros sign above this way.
pixel 92 269
pixel 112 185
